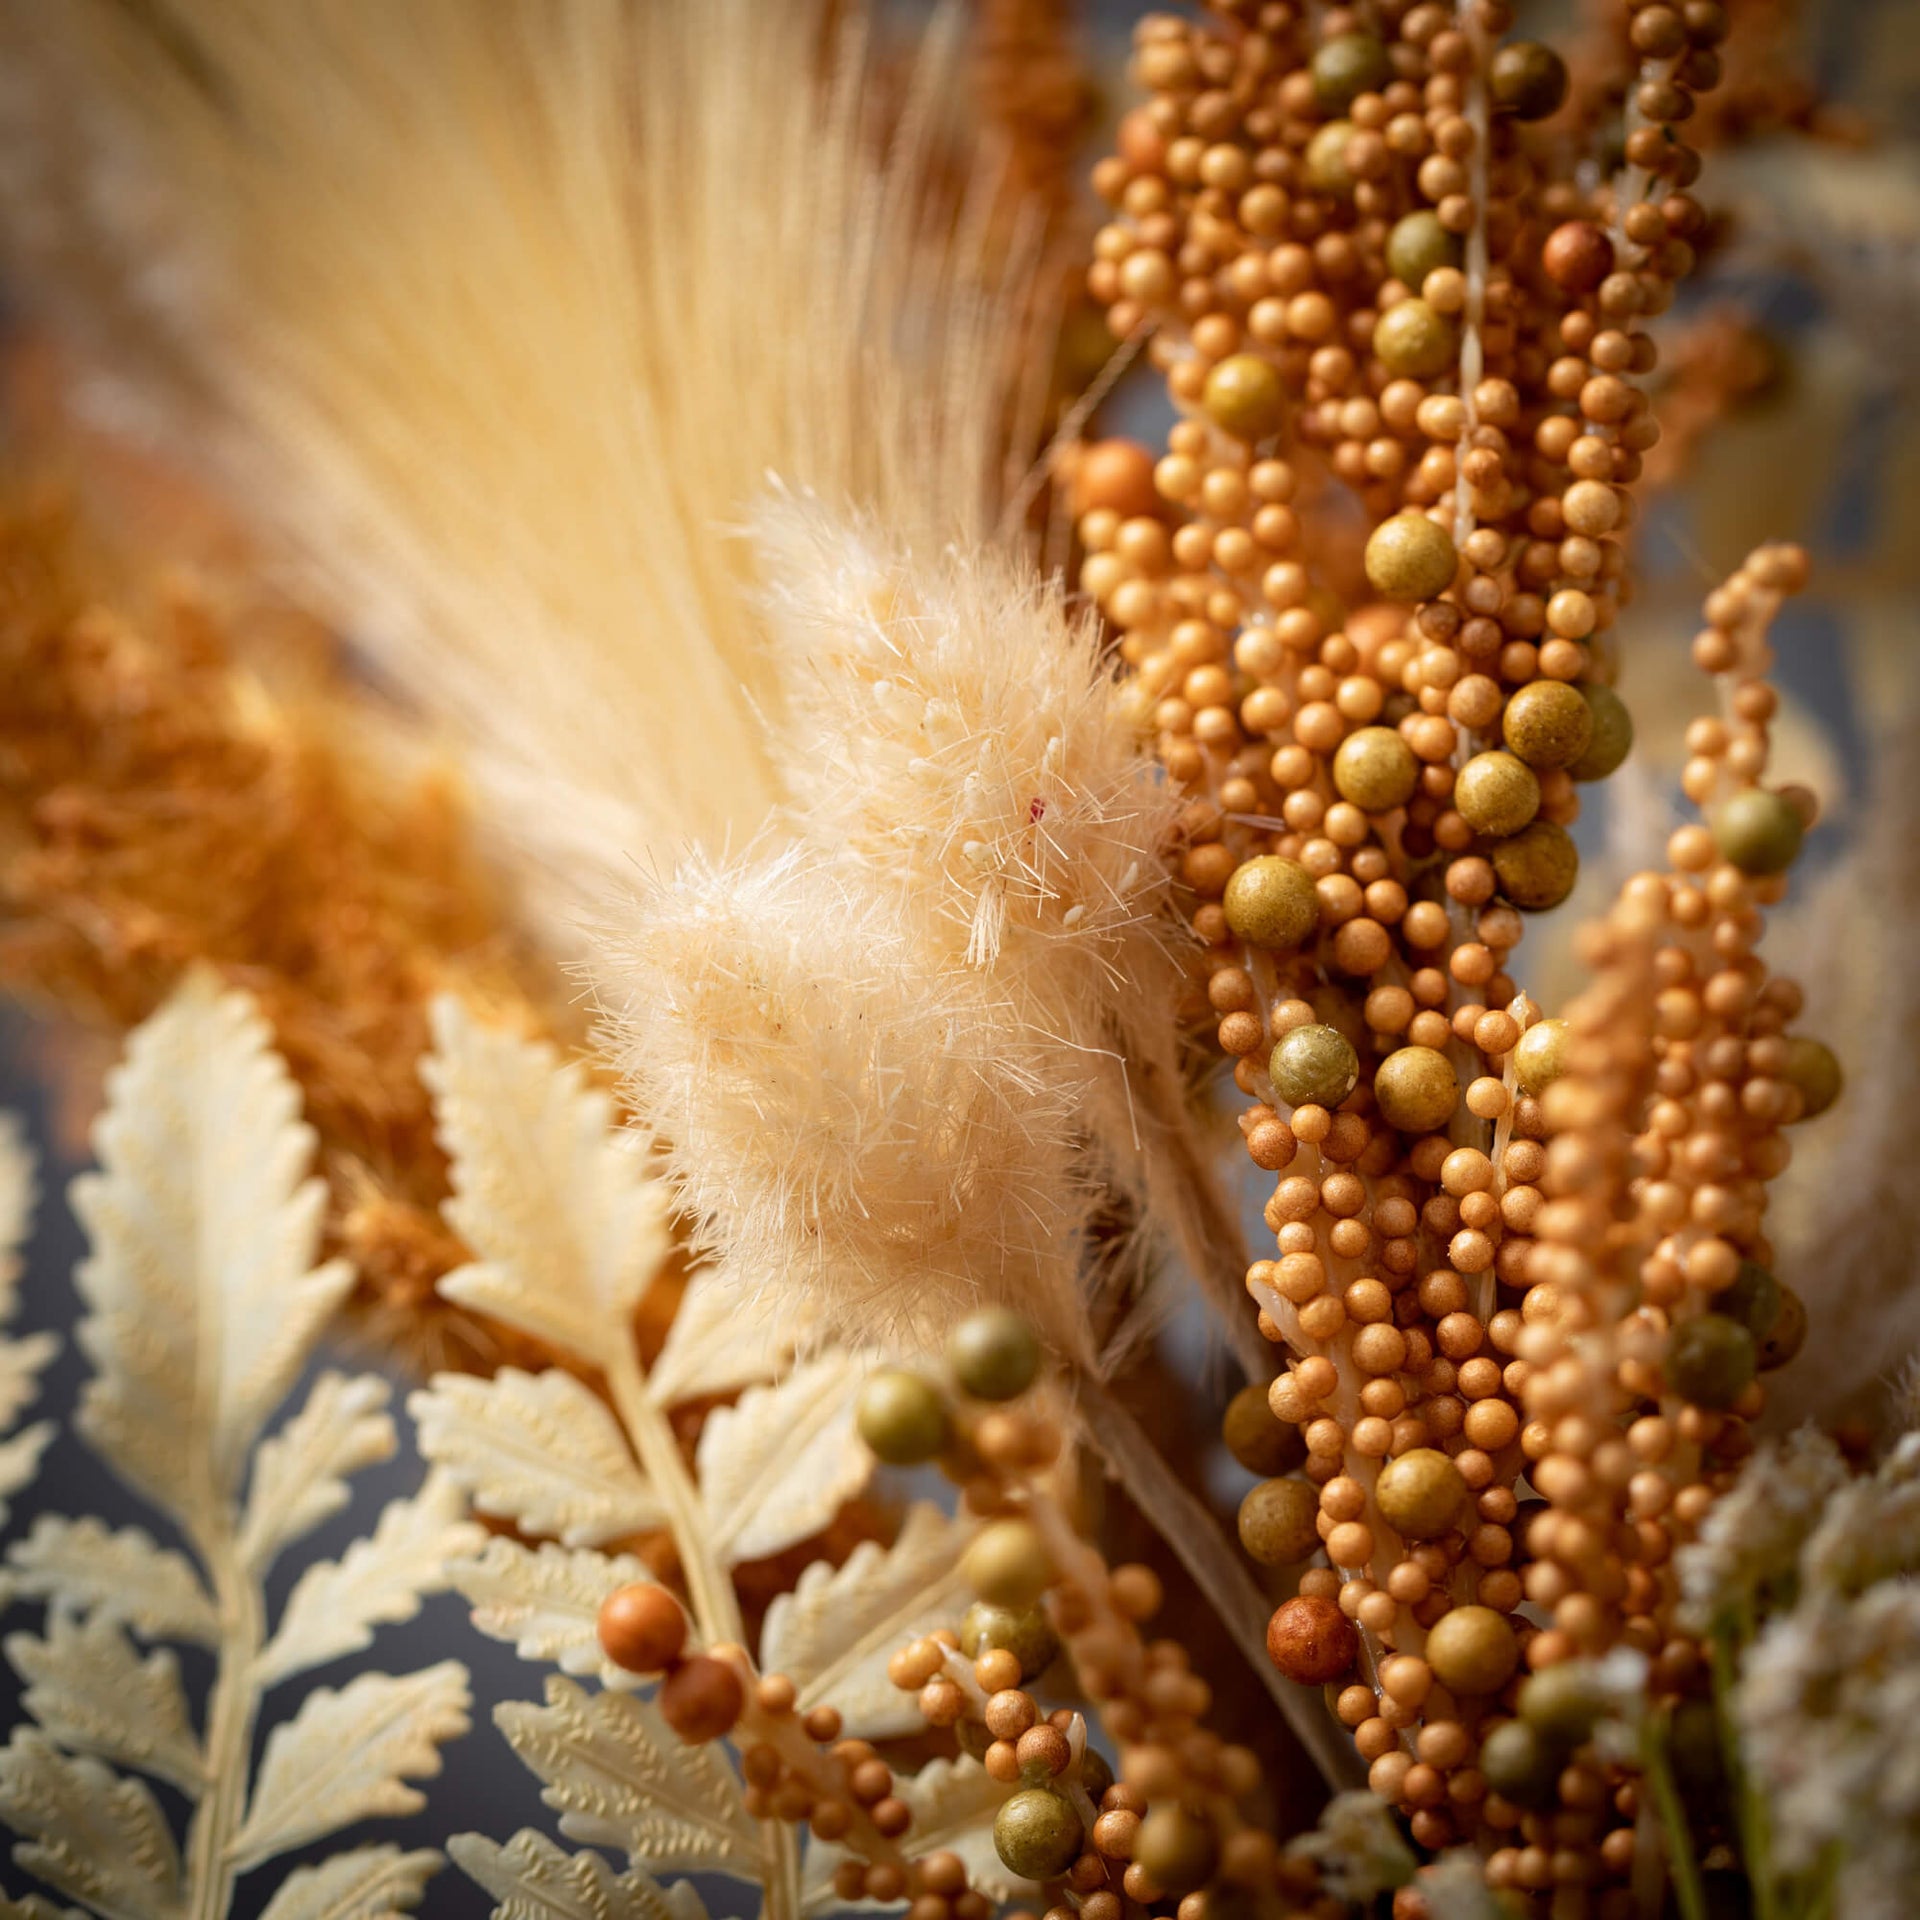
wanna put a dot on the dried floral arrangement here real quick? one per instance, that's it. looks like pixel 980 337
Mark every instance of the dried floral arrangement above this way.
pixel 659 426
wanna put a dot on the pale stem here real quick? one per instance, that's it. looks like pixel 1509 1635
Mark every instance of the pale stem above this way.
pixel 1189 1528
pixel 716 1607
pixel 231 1707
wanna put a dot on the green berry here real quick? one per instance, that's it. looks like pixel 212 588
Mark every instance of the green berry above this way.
pixel 1414 341
pixel 1260 1442
pixel 1788 1332
pixel 1176 1851
pixel 1527 80
pixel 1418 245
pixel 1753 1301
pixel 994 1354
pixel 1347 66
pixel 1758 830
pixel 1271 902
pixel 1409 557
pixel 901 1417
pixel 1326 158
pixel 1277 1522
pixel 1612 734
pixel 1024 1632
pixel 1518 1765
pixel 1812 1068
pixel 1037 1834
pixel 1711 1361
pixel 1537 868
pixel 1314 1066
pixel 1007 1563
pixel 1561 1704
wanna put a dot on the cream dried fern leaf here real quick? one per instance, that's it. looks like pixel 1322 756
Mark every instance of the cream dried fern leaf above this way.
pixel 22 1357
pixel 203 1304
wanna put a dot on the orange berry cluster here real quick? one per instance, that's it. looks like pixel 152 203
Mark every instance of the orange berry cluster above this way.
pixel 1377 271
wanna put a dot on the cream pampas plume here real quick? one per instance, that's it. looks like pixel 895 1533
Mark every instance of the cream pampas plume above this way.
pixel 505 319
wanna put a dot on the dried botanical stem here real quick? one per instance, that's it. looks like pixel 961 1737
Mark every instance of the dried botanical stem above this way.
pixel 1192 1532
pixel 230 1716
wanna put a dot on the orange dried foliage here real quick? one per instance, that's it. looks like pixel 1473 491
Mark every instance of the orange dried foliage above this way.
pixel 158 809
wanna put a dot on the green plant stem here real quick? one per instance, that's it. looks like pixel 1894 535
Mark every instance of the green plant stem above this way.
pixel 1756 1840
pixel 231 1708
pixel 1673 1821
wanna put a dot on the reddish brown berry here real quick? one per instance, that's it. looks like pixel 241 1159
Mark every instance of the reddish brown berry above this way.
pixel 1310 1640
pixel 1577 256
pixel 642 1628
pixel 701 1699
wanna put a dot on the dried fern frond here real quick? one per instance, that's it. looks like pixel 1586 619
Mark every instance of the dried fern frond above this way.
pixel 23 1357
pixel 538 1168
pixel 203 1305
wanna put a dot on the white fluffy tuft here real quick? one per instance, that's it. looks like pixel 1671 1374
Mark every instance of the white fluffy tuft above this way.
pixel 845 1123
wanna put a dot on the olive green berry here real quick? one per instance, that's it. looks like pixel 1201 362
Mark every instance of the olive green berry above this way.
pixel 1375 769
pixel 1417 1089
pixel 1527 79
pixel 1243 397
pixel 1277 1522
pixel 1540 1058
pixel 1758 831
pixel 1024 1632
pixel 1561 1704
pixel 1496 793
pixel 1175 1850
pixel 1517 1764
pixel 1410 557
pixel 1547 723
pixel 1414 341
pixel 1326 158
pixel 1753 1301
pixel 1420 1494
pixel 1314 1066
pixel 1037 1834
pixel 1271 902
pixel 1347 66
pixel 1257 1439
pixel 1007 1563
pixel 901 1417
pixel 1612 737
pixel 1788 1333
pixel 994 1354
pixel 1418 245
pixel 1812 1068
pixel 1472 1650
pixel 1537 867
pixel 1096 1776
pixel 1711 1361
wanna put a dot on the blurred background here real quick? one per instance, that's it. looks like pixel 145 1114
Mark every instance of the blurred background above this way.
pixel 1789 370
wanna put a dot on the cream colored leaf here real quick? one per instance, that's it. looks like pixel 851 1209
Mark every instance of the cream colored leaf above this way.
pixel 546 1601
pixel 780 1463
pixel 720 1342
pixel 93 1694
pixel 300 1473
pixel 89 1833
pixel 123 1575
pixel 834 1633
pixel 380 1580
pixel 953 1806
pixel 19 1188
pixel 21 1362
pixel 20 1459
pixel 537 1449
pixel 532 1879
pixel 202 1224
pixel 619 1778
pixel 370 1883
pixel 568 1220
pixel 32 1907
pixel 346 1755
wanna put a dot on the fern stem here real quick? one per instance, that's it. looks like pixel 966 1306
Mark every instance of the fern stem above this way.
pixel 716 1607
pixel 231 1708
pixel 1187 1526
